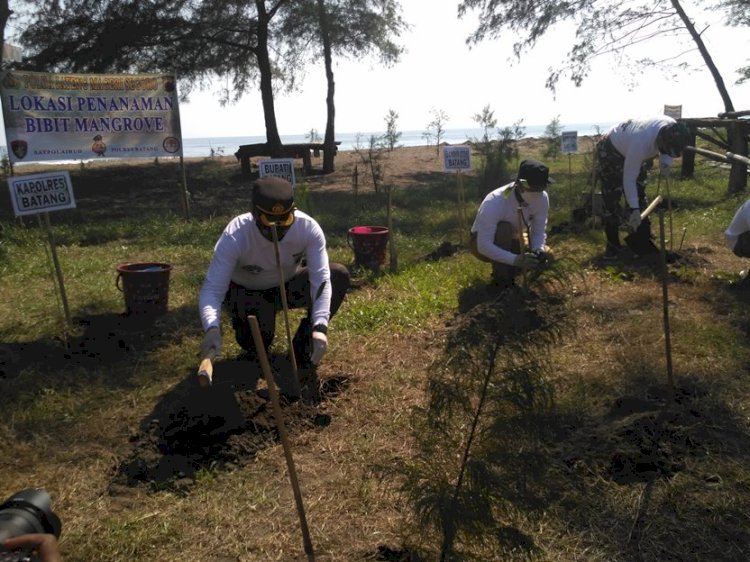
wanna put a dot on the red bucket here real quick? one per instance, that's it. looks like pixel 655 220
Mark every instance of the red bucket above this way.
pixel 145 287
pixel 369 244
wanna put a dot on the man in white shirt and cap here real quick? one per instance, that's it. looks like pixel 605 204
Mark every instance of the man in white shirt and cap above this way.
pixel 244 277
pixel 509 214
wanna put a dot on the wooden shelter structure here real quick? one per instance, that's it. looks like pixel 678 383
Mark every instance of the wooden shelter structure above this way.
pixel 729 132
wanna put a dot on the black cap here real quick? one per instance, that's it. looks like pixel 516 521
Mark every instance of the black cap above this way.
pixel 273 201
pixel 675 137
pixel 535 174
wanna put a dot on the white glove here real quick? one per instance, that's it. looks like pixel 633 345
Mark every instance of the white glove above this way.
pixel 319 345
pixel 211 340
pixel 528 260
pixel 664 170
pixel 634 220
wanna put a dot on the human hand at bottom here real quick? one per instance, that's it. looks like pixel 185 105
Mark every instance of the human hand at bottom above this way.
pixel 43 544
pixel 529 260
pixel 634 220
pixel 211 342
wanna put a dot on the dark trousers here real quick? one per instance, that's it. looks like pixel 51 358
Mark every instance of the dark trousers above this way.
pixel 502 273
pixel 609 169
pixel 742 247
pixel 265 303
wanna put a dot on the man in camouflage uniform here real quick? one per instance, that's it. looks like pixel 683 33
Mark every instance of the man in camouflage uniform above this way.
pixel 623 157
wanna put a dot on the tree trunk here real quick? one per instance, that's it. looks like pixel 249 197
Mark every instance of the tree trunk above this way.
pixel 266 81
pixel 728 106
pixel 329 142
pixel 4 17
pixel 737 133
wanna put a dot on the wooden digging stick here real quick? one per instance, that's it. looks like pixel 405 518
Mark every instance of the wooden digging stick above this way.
pixel 273 393
pixel 285 307
pixel 669 210
pixel 650 209
pixel 521 244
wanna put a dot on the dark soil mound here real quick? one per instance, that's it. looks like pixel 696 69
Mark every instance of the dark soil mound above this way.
pixel 216 428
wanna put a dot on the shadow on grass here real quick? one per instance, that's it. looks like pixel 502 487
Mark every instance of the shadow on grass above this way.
pixel 102 347
pixel 666 453
pixel 655 475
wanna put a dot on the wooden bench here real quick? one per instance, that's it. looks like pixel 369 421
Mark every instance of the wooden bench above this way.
pixel 297 150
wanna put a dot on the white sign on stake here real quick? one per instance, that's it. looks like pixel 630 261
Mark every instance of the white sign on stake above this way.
pixel 39 193
pixel 569 142
pixel 673 111
pixel 456 158
pixel 279 167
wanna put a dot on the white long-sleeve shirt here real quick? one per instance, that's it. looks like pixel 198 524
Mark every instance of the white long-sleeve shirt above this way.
pixel 636 141
pixel 243 255
pixel 740 223
pixel 502 205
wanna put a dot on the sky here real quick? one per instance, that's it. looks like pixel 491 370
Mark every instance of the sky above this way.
pixel 440 72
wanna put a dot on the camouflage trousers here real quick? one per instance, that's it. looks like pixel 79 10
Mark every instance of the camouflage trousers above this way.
pixel 609 171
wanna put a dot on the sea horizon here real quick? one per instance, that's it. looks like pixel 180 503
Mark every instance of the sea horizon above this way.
pixel 205 147
pixel 228 145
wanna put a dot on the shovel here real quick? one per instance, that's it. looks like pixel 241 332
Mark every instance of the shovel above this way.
pixel 640 244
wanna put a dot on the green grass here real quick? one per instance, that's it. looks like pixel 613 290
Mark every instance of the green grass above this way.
pixel 62 406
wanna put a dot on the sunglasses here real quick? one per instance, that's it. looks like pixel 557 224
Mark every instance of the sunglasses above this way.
pixel 281 221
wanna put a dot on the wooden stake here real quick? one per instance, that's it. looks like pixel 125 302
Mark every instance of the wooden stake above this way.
pixel 521 244
pixel 185 194
pixel 462 226
pixel 665 301
pixel 58 270
pixel 273 393
pixel 285 306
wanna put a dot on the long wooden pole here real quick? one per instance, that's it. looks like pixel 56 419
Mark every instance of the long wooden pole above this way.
pixel 669 210
pixel 185 194
pixel 273 393
pixel 665 301
pixel 58 270
pixel 521 244
pixel 462 226
pixel 285 307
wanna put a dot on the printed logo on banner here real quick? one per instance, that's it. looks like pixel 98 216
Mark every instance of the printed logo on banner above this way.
pixel 20 148
pixel 456 158
pixel 99 147
pixel 171 144
pixel 279 167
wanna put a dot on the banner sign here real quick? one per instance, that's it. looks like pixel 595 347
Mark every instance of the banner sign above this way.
pixel 456 158
pixel 279 167
pixel 82 116
pixel 39 193
pixel 569 142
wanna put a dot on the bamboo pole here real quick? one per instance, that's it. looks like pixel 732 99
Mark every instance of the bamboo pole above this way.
pixel 285 307
pixel 273 393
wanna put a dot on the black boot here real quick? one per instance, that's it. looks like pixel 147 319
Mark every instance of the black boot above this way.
pixel 612 233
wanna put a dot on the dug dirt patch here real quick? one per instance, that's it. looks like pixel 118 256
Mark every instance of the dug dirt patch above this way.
pixel 217 428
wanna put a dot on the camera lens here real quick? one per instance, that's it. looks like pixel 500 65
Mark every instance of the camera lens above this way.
pixel 28 511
